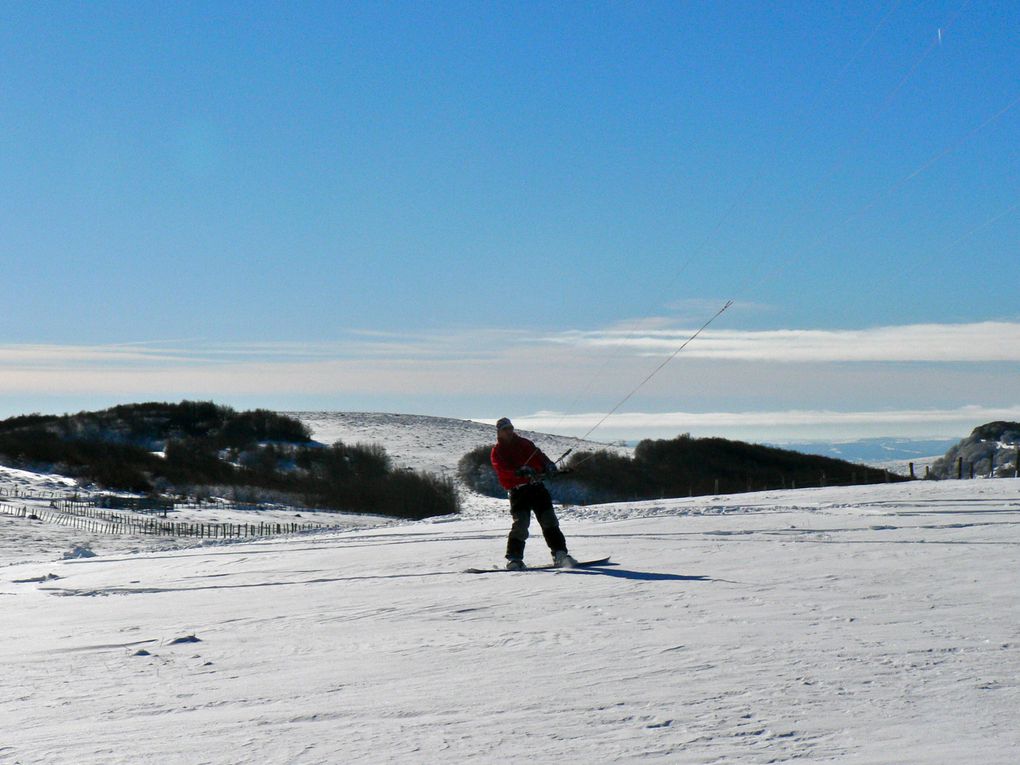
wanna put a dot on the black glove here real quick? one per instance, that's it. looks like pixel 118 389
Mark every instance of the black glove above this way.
pixel 551 468
pixel 525 471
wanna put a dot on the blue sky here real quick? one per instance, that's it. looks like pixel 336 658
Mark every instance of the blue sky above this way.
pixel 478 209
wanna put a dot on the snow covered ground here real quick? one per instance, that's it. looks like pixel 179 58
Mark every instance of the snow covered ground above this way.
pixel 23 540
pixel 876 624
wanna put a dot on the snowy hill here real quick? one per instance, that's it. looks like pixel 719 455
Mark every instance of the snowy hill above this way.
pixel 432 444
pixel 873 624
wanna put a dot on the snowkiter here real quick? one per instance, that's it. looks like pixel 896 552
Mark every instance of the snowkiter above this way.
pixel 520 466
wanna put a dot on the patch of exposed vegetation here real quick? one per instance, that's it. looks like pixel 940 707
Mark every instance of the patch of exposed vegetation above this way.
pixel 992 449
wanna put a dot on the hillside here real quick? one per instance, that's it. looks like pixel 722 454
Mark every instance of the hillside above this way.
pixel 603 473
pixel 194 450
pixel 432 444
pixel 147 447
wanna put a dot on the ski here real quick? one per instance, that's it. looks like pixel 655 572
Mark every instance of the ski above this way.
pixel 545 567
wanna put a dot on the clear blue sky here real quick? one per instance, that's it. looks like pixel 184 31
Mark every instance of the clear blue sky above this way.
pixel 452 208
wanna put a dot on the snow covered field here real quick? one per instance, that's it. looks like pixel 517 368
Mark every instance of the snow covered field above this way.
pixel 874 624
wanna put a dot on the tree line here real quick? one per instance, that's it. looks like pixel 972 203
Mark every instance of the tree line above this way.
pixel 680 467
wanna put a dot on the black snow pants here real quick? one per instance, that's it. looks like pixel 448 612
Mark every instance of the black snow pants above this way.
pixel 532 497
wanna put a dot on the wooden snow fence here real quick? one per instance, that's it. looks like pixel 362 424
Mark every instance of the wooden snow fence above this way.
pixel 81 516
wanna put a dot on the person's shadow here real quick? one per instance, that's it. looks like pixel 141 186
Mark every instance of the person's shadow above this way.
pixel 612 569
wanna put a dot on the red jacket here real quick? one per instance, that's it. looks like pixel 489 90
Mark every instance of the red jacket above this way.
pixel 507 458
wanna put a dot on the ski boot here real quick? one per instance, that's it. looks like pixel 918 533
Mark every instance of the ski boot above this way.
pixel 563 559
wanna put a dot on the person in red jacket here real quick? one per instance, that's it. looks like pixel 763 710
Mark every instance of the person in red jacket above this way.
pixel 520 467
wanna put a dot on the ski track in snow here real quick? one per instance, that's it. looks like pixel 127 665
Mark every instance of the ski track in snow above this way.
pixel 873 624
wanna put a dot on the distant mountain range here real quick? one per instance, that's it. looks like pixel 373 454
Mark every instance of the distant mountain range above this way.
pixel 876 450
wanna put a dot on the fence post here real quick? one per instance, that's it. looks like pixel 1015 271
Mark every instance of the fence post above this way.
pixel 912 476
pixel 959 468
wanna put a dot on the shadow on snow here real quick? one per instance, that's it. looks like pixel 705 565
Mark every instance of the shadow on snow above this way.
pixel 613 570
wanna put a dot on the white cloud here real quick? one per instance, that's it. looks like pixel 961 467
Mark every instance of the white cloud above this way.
pixel 948 343
pixel 786 380
pixel 977 342
pixel 43 356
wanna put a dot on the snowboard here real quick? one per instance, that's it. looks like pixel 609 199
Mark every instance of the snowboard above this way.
pixel 546 567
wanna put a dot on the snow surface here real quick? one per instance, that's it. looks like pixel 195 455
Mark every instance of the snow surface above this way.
pixel 874 624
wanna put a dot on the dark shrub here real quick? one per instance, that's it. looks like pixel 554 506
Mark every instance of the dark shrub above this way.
pixel 679 467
